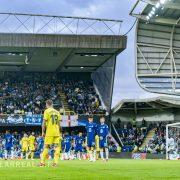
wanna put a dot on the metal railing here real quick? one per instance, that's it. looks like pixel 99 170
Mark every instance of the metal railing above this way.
pixel 47 24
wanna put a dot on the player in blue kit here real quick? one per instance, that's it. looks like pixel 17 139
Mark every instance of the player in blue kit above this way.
pixel 79 141
pixel 103 131
pixel 40 145
pixel 91 129
pixel 67 145
pixel 8 145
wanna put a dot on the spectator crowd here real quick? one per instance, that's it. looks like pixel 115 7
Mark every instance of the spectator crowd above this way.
pixel 82 97
pixel 157 144
pixel 27 93
pixel 133 136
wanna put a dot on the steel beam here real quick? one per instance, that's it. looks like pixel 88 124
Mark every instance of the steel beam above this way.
pixel 70 17
pixel 169 5
pixel 66 60
pixel 161 20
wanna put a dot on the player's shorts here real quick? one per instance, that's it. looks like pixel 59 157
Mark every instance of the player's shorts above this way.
pixel 24 148
pixel 78 149
pixel 67 148
pixel 97 149
pixel 103 143
pixel 32 148
pixel 51 140
pixel 9 148
pixel 90 142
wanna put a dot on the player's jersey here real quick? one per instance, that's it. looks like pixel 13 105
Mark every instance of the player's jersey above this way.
pixel 67 140
pixel 91 129
pixel 103 131
pixel 79 140
pixel 8 140
pixel 52 118
pixel 67 143
pixel 15 141
pixel 31 140
pixel 25 142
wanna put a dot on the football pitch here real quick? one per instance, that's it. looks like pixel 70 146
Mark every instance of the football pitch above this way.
pixel 114 169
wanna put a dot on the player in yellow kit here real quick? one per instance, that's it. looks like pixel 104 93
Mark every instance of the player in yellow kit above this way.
pixel 32 140
pixel 97 146
pixel 51 132
pixel 24 146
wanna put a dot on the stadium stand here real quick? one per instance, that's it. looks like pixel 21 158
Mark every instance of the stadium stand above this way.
pixel 27 93
pixel 133 137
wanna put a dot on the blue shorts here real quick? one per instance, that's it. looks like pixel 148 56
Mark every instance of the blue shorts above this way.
pixel 9 148
pixel 78 149
pixel 103 143
pixel 90 142
pixel 67 148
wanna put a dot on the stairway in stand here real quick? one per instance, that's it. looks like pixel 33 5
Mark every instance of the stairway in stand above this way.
pixel 64 100
pixel 149 136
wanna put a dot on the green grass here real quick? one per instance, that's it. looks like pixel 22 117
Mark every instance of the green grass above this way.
pixel 114 169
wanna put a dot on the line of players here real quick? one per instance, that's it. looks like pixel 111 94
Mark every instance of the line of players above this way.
pixel 102 132
pixel 72 146
pixel 94 143
pixel 15 149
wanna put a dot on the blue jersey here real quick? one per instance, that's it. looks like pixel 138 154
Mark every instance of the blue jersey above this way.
pixel 15 141
pixel 103 131
pixel 91 129
pixel 8 140
pixel 67 140
pixel 67 143
pixel 79 140
pixel 40 142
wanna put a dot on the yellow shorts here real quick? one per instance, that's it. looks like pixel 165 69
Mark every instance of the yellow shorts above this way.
pixel 32 148
pixel 52 140
pixel 97 149
pixel 24 149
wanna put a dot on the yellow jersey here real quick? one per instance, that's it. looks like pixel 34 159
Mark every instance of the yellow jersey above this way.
pixel 25 142
pixel 52 120
pixel 31 140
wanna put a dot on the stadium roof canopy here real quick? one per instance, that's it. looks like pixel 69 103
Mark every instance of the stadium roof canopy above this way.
pixel 158 46
pixel 156 103
pixel 44 43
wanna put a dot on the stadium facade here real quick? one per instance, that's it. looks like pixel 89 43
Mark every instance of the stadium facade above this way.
pixel 158 45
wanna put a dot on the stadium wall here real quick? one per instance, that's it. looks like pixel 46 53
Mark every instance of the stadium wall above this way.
pixel 62 41
pixel 177 116
pixel 103 79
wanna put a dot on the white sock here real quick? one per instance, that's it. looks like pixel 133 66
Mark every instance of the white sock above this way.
pixel 69 155
pixel 5 154
pixel 90 156
pixel 107 153
pixel 66 155
pixel 94 156
pixel 27 154
pixel 12 154
pixel 102 154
